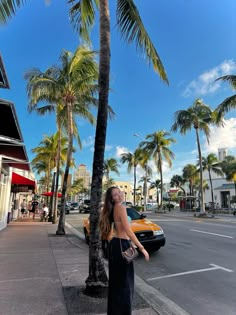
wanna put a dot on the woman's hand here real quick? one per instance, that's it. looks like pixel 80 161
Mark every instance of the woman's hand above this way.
pixel 145 253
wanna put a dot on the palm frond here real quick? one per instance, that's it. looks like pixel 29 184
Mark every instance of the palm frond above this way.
pixel 133 30
pixel 228 104
pixel 82 14
pixel 8 9
pixel 229 78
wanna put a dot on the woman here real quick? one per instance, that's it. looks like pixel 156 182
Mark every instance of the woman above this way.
pixel 121 274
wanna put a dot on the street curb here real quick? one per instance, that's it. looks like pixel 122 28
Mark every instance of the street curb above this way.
pixel 157 301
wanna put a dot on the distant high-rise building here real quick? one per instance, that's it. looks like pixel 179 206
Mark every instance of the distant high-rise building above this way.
pixel 222 153
pixel 83 173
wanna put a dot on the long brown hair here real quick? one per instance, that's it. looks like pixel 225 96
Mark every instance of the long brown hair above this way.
pixel 106 217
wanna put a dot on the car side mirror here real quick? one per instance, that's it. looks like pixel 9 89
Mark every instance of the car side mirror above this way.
pixel 142 216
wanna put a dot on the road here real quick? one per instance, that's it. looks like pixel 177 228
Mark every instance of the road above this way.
pixel 197 267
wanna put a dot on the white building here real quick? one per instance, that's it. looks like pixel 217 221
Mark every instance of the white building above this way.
pixel 222 190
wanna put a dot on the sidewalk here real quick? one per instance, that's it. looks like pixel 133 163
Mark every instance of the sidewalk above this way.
pixel 44 274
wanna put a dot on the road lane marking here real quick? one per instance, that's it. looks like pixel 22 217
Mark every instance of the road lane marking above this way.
pixel 214 267
pixel 204 232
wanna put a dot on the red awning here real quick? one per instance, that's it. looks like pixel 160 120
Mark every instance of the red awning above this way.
pixel 22 181
pixel 49 194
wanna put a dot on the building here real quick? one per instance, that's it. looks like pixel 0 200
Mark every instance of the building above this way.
pixel 223 190
pixel 84 174
pixel 126 188
pixel 16 180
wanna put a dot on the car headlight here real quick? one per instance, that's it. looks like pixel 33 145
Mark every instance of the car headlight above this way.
pixel 158 232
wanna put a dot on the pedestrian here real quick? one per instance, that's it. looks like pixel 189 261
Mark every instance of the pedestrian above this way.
pixel 23 208
pixel 45 212
pixel 121 273
pixel 34 205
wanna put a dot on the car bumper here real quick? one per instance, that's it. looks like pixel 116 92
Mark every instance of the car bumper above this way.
pixel 154 242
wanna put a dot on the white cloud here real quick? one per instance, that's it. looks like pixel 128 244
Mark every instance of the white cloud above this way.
pixel 222 137
pixel 89 142
pixel 120 150
pixel 205 83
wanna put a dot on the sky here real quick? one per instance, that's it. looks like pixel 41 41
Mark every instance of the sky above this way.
pixel 195 40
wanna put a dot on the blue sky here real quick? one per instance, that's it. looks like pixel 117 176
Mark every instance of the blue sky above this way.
pixel 196 42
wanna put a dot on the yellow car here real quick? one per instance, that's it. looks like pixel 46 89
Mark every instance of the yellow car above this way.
pixel 150 235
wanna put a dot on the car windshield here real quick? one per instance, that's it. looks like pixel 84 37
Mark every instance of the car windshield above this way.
pixel 133 214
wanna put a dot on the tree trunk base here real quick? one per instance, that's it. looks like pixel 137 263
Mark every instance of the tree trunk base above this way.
pixel 60 232
pixel 96 291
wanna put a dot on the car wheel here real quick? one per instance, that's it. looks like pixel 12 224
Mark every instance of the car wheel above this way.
pixel 234 212
pixel 86 236
pixel 105 248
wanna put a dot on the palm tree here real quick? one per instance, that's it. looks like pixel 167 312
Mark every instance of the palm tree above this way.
pixel 178 182
pixel 132 29
pixel 50 150
pixel 156 146
pixel 190 174
pixel 70 88
pixel 133 160
pixel 229 168
pixel 230 102
pixel 110 165
pixel 199 116
pixel 157 184
pixel 148 172
pixel 211 164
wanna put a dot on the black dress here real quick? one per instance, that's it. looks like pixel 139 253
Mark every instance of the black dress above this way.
pixel 121 279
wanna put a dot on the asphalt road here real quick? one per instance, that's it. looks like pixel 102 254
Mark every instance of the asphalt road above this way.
pixel 197 267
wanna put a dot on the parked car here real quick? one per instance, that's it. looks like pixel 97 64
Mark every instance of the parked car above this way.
pixel 85 206
pixel 59 208
pixel 150 235
pixel 74 206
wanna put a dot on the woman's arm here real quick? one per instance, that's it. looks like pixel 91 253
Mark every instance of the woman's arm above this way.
pixel 126 225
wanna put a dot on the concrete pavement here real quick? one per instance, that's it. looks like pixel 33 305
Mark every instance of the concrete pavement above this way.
pixel 41 273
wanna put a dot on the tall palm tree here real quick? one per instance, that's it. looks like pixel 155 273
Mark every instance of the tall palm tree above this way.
pixel 190 174
pixel 156 146
pixel 230 102
pixel 110 165
pixel 210 163
pixel 178 182
pixel 133 160
pixel 199 116
pixel 147 173
pixel 70 89
pixel 158 186
pixel 132 29
pixel 51 149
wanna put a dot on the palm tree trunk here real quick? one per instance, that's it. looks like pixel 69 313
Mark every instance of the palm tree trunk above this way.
pixel 212 197
pixel 61 223
pixel 58 162
pixel 134 185
pixel 97 278
pixel 145 189
pixel 161 176
pixel 201 179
